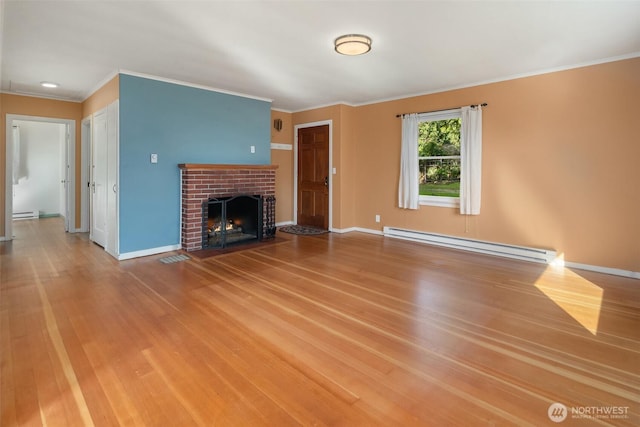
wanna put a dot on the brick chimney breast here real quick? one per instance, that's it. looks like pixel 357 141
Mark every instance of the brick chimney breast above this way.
pixel 200 182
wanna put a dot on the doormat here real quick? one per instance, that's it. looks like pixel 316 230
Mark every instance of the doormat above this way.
pixel 174 258
pixel 206 253
pixel 302 229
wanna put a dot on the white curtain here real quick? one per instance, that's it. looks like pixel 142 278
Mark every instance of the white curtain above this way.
pixel 16 155
pixel 471 160
pixel 408 189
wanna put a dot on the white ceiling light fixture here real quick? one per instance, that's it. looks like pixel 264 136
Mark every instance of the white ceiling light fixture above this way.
pixel 49 84
pixel 353 44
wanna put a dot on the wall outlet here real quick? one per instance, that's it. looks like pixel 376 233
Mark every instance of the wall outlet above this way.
pixel 377 218
pixel 154 158
pixel 253 149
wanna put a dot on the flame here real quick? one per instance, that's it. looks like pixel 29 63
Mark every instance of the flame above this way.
pixel 218 228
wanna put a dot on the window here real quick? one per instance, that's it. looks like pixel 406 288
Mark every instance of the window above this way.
pixel 439 158
pixel 457 156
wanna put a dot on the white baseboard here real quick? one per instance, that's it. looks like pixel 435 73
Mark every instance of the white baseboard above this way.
pixel 599 269
pixel 369 231
pixel 360 229
pixel 147 252
pixel 342 230
pixel 280 224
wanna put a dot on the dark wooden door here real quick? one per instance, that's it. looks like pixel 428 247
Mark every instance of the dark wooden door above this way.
pixel 313 176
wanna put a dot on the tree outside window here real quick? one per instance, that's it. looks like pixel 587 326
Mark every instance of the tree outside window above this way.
pixel 439 157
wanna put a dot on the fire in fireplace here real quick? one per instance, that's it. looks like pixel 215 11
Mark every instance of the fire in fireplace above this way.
pixel 234 220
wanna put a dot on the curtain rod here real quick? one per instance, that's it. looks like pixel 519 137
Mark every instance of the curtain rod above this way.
pixel 484 104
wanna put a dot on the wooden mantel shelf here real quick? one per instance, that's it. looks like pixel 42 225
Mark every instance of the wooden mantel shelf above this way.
pixel 206 166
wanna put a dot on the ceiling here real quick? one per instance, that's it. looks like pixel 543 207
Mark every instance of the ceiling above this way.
pixel 283 50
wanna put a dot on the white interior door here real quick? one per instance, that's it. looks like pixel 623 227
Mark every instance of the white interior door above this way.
pixel 112 245
pixel 99 179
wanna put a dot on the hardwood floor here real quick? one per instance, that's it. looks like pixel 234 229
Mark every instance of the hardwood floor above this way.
pixel 349 330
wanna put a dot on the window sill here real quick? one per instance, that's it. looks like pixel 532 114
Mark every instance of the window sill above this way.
pixel 439 201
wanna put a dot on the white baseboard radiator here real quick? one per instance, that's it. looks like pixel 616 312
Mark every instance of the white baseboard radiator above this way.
pixel 546 256
pixel 34 214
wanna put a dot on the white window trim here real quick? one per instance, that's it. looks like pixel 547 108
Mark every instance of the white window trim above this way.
pixel 440 201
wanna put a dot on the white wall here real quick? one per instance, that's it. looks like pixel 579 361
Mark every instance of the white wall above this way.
pixel 41 156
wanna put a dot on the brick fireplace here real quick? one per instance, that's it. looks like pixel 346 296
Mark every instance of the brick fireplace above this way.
pixel 200 182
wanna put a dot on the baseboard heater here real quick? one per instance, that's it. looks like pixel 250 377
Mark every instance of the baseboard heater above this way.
pixel 511 251
pixel 26 215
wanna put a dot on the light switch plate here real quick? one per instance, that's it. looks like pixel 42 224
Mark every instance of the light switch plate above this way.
pixel 154 158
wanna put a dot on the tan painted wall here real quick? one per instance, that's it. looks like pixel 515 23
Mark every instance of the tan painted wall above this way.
pixel 347 164
pixel 284 160
pixel 39 107
pixel 102 97
pixel 559 164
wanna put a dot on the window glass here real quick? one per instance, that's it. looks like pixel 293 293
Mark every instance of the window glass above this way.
pixel 439 157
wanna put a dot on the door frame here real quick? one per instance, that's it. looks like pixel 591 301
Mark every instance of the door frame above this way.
pixel 295 167
pixel 102 113
pixel 112 202
pixel 86 127
pixel 70 153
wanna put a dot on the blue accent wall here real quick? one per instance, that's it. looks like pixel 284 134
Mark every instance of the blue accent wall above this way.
pixel 182 125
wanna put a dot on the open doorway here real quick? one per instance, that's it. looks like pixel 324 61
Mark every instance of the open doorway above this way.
pixel 40 170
